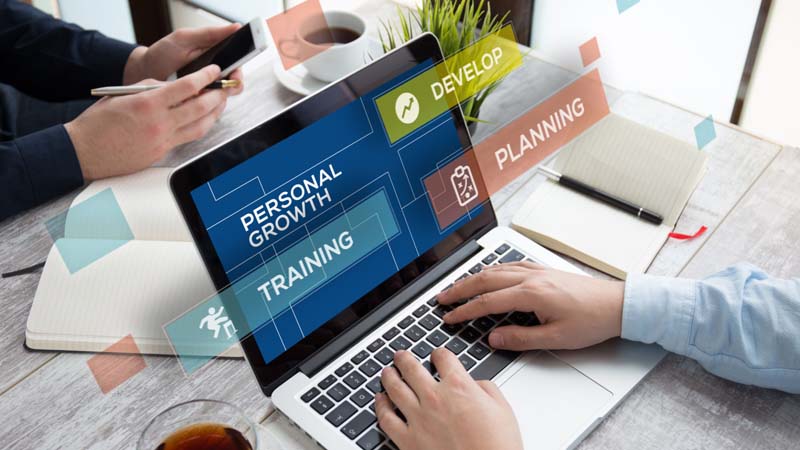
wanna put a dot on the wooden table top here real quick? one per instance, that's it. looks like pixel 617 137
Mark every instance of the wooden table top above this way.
pixel 748 199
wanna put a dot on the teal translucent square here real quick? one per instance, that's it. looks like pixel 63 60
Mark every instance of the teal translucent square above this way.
pixel 89 230
pixel 623 5
pixel 206 331
pixel 705 132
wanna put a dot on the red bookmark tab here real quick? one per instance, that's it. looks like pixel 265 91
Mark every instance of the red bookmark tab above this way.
pixel 686 237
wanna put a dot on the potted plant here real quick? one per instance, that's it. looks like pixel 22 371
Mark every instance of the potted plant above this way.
pixel 456 24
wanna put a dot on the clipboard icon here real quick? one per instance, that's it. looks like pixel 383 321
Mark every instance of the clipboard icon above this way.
pixel 464 185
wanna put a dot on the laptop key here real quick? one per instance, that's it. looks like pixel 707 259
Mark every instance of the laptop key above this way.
pixel 432 302
pixel 437 338
pixel 483 323
pixel 498 317
pixel 360 357
pixel 414 333
pixel 375 385
pixel 456 345
pixel 327 382
pixel 385 356
pixel 370 368
pixel 354 379
pixel 308 396
pixel 419 312
pixel 466 361
pixel 512 256
pixel 520 318
pixel 423 349
pixel 489 259
pixel 370 440
pixel 463 276
pixel 502 249
pixel 375 346
pixel 340 414
pixel 429 322
pixel 429 367
pixel 476 268
pixel 405 323
pixel 321 404
pixel 441 310
pixel 400 343
pixel 338 392
pixel 452 328
pixel 362 397
pixel 478 351
pixel 492 365
pixel 342 371
pixel 389 335
pixel 470 334
pixel 358 424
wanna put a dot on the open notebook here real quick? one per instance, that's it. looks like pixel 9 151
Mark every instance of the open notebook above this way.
pixel 631 161
pixel 135 289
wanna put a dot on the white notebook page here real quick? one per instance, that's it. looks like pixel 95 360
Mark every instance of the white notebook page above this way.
pixel 626 159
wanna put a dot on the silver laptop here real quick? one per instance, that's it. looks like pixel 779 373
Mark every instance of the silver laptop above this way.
pixel 324 228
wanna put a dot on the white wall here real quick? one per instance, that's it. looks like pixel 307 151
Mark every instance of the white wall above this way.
pixel 110 17
pixel 687 52
pixel 774 93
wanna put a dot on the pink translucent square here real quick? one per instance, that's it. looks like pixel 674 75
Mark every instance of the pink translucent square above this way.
pixel 590 51
pixel 289 29
pixel 116 364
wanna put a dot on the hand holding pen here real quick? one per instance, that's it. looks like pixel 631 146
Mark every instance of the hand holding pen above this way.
pixel 125 134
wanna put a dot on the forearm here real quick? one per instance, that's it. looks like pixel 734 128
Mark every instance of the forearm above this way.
pixel 54 60
pixel 36 168
pixel 738 324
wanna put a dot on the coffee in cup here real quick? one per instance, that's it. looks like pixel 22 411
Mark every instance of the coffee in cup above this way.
pixel 205 436
pixel 338 45
pixel 200 425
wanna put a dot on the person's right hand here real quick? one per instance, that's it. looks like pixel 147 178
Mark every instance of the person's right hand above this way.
pixel 575 311
pixel 122 135
pixel 454 413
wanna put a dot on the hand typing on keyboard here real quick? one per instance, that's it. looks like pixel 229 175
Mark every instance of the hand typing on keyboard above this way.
pixel 454 413
pixel 575 311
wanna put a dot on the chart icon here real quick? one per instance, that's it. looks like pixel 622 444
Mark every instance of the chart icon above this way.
pixel 407 108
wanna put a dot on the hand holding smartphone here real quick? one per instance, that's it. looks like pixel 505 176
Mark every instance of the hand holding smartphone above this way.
pixel 232 52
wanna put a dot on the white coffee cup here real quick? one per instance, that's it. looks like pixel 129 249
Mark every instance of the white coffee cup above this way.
pixel 331 61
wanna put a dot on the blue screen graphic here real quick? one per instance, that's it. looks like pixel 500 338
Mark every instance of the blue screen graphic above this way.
pixel 326 215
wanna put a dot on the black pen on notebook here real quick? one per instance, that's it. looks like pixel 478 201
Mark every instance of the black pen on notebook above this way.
pixel 115 91
pixel 604 197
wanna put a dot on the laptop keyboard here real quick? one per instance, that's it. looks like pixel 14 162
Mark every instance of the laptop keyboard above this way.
pixel 346 397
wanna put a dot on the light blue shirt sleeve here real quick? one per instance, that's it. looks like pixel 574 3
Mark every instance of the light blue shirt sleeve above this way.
pixel 739 324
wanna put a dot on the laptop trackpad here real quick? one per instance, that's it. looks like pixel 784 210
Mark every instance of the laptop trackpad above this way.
pixel 553 402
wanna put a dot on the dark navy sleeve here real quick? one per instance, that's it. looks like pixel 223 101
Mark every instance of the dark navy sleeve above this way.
pixel 36 168
pixel 53 60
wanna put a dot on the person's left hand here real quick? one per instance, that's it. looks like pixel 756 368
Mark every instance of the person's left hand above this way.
pixel 174 51
pixel 455 413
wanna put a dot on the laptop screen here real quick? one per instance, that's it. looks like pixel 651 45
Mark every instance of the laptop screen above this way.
pixel 332 215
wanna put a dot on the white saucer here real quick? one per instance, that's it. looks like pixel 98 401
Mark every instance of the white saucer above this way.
pixel 298 80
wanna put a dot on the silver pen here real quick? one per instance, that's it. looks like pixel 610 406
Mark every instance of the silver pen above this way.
pixel 115 91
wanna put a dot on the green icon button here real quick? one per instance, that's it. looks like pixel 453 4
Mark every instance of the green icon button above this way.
pixel 424 97
pixel 405 109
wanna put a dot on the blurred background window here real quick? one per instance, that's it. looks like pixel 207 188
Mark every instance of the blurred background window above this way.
pixel 727 58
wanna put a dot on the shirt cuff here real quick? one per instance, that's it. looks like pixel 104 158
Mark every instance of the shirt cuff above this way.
pixel 111 56
pixel 51 163
pixel 660 310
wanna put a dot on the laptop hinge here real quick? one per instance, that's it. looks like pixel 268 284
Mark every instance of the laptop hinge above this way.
pixel 324 356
